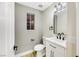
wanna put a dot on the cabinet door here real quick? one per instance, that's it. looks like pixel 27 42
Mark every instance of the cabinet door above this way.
pixel 52 50
pixel 49 50
pixel 59 52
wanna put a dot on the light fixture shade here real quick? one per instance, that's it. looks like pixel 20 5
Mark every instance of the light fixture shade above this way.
pixel 60 6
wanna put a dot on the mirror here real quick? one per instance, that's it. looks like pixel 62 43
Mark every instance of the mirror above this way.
pixel 60 20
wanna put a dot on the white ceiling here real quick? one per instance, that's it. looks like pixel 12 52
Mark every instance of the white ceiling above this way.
pixel 35 5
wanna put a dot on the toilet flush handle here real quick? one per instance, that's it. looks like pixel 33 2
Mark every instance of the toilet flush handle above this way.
pixel 32 39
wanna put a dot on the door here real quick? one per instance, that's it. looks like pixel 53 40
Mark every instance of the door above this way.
pixel 7 28
pixel 2 29
pixel 10 29
pixel 77 29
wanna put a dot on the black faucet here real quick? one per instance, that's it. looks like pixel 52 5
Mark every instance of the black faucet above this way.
pixel 62 36
pixel 58 36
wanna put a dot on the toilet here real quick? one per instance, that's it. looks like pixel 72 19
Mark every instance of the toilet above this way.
pixel 40 49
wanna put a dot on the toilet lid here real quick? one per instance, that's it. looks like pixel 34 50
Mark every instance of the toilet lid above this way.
pixel 39 47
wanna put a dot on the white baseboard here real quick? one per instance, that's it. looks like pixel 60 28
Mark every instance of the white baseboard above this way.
pixel 24 53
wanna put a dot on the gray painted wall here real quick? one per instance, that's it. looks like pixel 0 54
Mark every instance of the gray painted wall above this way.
pixel 48 21
pixel 22 35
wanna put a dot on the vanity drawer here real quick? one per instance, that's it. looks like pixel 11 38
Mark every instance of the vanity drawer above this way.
pixel 51 44
pixel 54 44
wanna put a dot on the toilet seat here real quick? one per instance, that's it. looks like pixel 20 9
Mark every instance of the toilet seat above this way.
pixel 39 47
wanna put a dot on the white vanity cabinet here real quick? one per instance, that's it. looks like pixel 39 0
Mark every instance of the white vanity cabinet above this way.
pixel 54 50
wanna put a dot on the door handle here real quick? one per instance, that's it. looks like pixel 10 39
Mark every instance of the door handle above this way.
pixel 52 46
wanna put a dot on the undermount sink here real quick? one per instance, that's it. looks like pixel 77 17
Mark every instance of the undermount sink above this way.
pixel 56 41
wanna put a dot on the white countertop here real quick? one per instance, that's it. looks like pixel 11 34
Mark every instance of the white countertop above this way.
pixel 56 41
